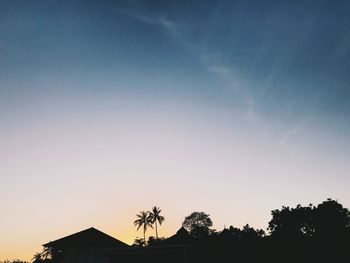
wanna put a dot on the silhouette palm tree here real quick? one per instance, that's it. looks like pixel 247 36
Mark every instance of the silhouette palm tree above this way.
pixel 143 219
pixel 156 217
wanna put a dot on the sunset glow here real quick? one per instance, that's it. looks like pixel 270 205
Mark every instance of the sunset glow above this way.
pixel 111 107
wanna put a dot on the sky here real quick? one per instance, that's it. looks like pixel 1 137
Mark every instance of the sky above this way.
pixel 107 108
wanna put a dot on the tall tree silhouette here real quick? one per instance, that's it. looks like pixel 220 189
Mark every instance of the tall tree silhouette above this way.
pixel 295 222
pixel 332 220
pixel 156 217
pixel 198 224
pixel 143 219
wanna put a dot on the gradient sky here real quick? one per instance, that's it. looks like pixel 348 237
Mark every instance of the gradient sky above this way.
pixel 107 108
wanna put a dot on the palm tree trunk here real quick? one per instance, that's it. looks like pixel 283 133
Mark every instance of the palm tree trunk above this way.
pixel 156 230
pixel 144 235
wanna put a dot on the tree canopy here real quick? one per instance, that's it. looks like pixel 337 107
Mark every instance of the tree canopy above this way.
pixel 198 224
pixel 328 219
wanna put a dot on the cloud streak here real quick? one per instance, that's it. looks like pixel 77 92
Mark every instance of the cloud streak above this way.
pixel 211 60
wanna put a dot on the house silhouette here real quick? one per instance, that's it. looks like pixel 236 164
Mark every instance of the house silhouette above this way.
pixel 89 239
pixel 92 245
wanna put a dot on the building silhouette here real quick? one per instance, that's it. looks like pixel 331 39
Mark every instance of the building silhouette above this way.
pixel 92 245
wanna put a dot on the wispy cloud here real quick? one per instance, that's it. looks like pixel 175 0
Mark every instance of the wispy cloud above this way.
pixel 212 61
pixel 135 11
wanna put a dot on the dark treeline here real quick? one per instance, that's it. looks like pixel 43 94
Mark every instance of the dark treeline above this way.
pixel 302 234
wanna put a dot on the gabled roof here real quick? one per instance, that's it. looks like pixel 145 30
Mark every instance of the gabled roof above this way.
pixel 88 239
pixel 182 232
pixel 181 237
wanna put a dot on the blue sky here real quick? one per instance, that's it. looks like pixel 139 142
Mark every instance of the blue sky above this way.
pixel 292 55
pixel 190 105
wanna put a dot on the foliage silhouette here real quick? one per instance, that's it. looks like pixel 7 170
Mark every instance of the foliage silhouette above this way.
pixel 296 234
pixel 37 258
pixel 48 255
pixel 293 222
pixel 331 220
pixel 155 241
pixel 324 229
pixel 143 219
pixel 198 224
pixel 155 217
pixel 139 242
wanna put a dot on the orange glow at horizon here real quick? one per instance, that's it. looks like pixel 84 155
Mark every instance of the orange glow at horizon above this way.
pixel 125 232
pixel 108 108
pixel 99 169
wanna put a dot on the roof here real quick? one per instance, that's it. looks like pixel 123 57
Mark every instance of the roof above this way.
pixel 90 238
pixel 182 232
pixel 182 236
